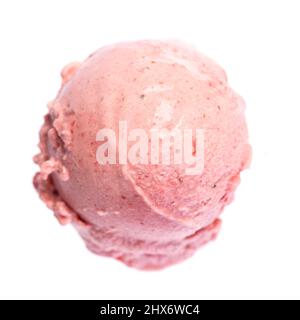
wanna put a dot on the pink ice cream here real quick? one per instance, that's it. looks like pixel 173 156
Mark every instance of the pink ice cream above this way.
pixel 148 216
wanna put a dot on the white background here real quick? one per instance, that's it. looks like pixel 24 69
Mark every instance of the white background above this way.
pixel 257 254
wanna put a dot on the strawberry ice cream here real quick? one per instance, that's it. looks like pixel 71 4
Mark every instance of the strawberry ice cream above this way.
pixel 148 216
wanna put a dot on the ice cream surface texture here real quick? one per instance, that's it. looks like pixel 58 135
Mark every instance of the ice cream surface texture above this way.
pixel 148 216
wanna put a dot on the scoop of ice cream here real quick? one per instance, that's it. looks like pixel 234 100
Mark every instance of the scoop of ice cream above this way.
pixel 146 215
